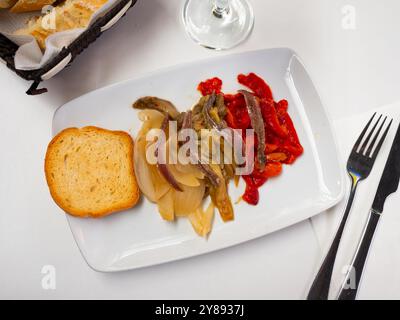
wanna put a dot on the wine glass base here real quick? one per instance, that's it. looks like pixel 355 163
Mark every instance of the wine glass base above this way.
pixel 218 30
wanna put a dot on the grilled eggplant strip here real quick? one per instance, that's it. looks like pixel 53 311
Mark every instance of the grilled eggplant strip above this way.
pixel 220 105
pixel 161 162
pixel 154 103
pixel 257 122
pixel 206 112
pixel 210 174
pixel 203 167
pixel 179 120
pixel 218 126
pixel 220 198
pixel 219 194
pixel 216 101
pixel 187 121
pixel 221 127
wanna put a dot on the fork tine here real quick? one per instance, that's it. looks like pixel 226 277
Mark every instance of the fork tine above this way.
pixel 378 147
pixel 357 144
pixel 364 145
pixel 371 146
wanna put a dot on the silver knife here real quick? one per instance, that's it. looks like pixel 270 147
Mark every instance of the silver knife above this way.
pixel 388 184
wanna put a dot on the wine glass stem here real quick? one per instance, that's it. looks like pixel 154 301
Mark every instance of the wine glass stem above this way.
pixel 221 7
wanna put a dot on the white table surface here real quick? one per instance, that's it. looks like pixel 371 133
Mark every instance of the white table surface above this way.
pixel 354 71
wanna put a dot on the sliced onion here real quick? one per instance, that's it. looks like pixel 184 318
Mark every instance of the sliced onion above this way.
pixel 150 182
pixel 171 203
pixel 208 218
pixel 166 206
pixel 165 169
pixel 188 179
pixel 189 200
pixel 152 116
pixel 202 220
pixel 142 170
pixel 189 169
pixel 160 185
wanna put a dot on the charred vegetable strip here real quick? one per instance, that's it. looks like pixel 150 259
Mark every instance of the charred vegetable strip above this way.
pixel 229 137
pixel 257 122
pixel 222 201
pixel 187 121
pixel 205 168
pixel 271 118
pixel 206 112
pixel 257 85
pixel 212 99
pixel 162 163
pixel 158 104
pixel 220 198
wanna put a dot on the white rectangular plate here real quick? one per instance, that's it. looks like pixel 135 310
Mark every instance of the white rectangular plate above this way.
pixel 139 237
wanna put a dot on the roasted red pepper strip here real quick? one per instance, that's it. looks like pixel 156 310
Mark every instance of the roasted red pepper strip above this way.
pixel 257 179
pixel 270 148
pixel 293 139
pixel 271 118
pixel 238 117
pixel 281 108
pixel 209 86
pixel 257 85
pixel 251 195
pixel 271 170
pixel 230 120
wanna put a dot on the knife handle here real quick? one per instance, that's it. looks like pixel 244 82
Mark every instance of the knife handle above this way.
pixel 351 283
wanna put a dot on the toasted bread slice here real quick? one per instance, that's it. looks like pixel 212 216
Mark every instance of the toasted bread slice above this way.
pixel 4 4
pixel 71 14
pixel 30 5
pixel 90 171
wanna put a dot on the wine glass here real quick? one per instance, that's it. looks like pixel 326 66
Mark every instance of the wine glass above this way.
pixel 218 24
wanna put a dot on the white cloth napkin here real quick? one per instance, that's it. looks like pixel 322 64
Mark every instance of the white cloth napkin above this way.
pixel 381 276
pixel 29 56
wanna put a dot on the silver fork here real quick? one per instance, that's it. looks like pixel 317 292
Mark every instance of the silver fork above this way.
pixel 359 166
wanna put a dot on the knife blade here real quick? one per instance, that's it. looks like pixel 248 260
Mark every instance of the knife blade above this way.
pixel 390 177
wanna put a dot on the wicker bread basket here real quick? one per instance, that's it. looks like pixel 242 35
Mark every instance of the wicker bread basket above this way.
pixel 67 54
